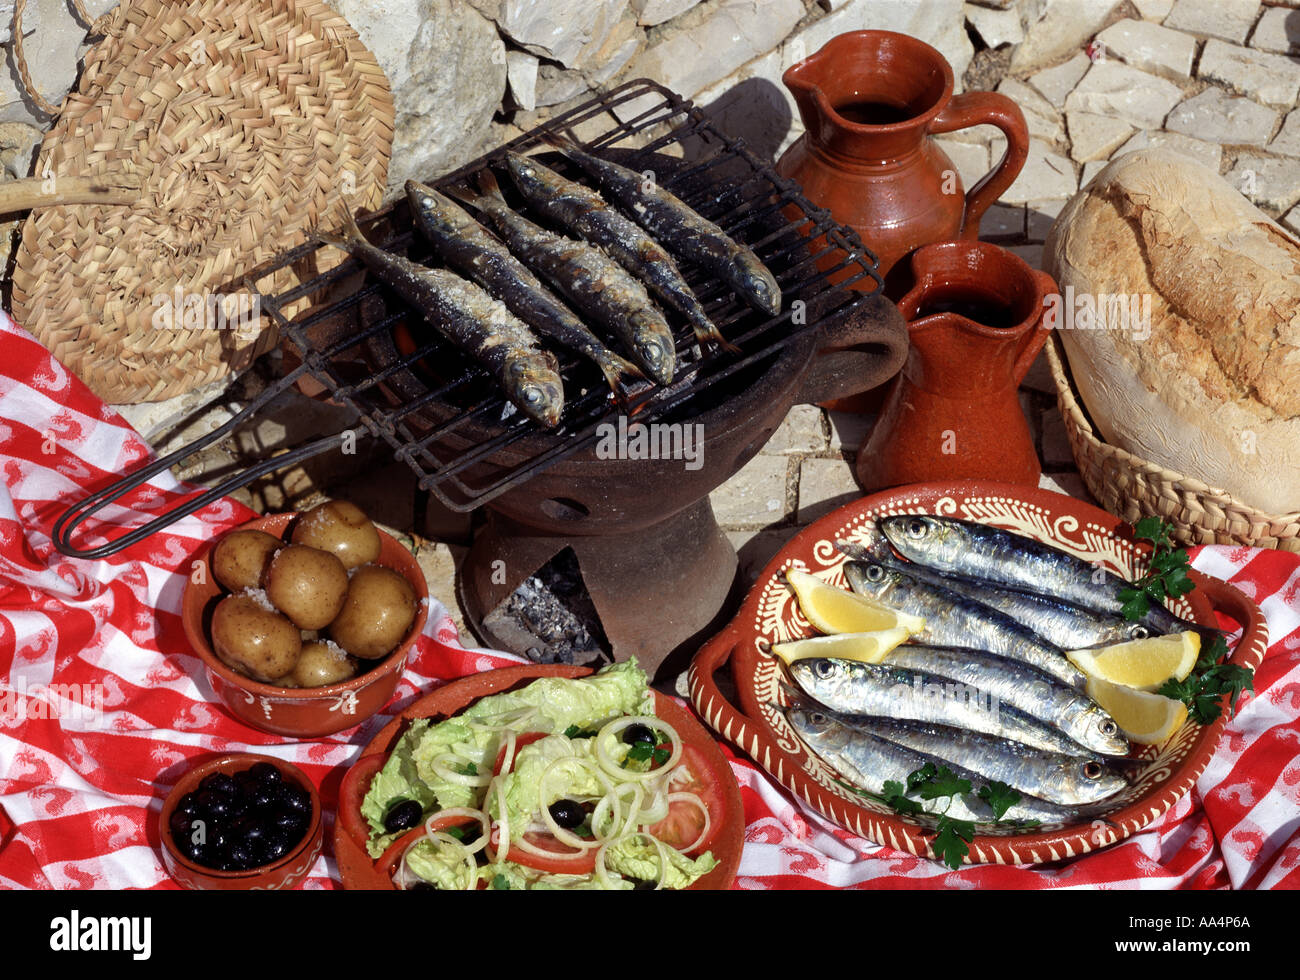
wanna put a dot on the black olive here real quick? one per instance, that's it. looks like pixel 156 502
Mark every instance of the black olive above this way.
pixel 294 798
pixel 567 813
pixel 214 805
pixel 180 824
pixel 219 782
pixel 242 856
pixel 290 823
pixel 403 816
pixel 421 886
pixel 248 829
pixel 265 772
pixel 641 885
pixel 276 846
pixel 633 734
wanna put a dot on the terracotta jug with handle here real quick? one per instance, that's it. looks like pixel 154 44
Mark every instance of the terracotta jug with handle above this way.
pixel 870 101
pixel 975 325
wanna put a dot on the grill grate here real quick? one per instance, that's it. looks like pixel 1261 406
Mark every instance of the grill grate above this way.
pixel 443 415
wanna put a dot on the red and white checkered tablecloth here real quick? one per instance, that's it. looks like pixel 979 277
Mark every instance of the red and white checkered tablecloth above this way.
pixel 80 789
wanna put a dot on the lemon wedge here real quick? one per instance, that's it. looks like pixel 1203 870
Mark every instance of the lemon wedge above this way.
pixel 867 648
pixel 1141 664
pixel 834 610
pixel 1144 718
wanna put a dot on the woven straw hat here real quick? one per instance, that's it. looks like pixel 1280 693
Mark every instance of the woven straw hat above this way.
pixel 247 124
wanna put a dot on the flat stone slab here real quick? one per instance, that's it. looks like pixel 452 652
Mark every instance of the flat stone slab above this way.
pixel 1270 78
pixel 1271 183
pixel 849 430
pixel 1046 175
pixel 1095 137
pixel 1216 116
pixel 1062 26
pixel 1042 118
pixel 1090 170
pixel 802 431
pixel 1003 221
pixel 754 496
pixel 1210 154
pixel 1059 81
pixel 1230 20
pixel 1287 141
pixel 1278 31
pixel 825 484
pixel 1149 46
pixel 1156 10
pixel 995 27
pixel 1123 92
pixel 970 159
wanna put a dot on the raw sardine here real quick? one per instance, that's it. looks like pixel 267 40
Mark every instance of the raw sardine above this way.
pixel 991 554
pixel 885 689
pixel 469 248
pixel 1021 686
pixel 471 319
pixel 681 229
pixel 952 619
pixel 585 213
pixel 1063 624
pixel 591 280
pixel 1066 780
pixel 868 762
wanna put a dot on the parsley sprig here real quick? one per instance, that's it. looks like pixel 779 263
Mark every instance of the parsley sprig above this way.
pixel 656 754
pixel 1203 689
pixel 1166 575
pixel 952 836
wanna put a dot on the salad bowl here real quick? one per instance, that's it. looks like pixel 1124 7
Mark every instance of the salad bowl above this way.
pixel 359 871
pixel 770 614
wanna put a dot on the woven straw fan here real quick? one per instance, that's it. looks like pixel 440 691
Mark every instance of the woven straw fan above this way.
pixel 204 138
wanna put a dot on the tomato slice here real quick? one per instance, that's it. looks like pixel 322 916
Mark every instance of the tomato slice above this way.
pixel 387 863
pixel 560 858
pixel 525 738
pixel 352 791
pixel 685 821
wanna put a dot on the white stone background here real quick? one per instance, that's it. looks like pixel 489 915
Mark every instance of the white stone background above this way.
pixel 1217 79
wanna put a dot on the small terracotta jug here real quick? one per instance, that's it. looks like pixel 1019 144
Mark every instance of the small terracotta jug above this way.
pixel 975 323
pixel 870 101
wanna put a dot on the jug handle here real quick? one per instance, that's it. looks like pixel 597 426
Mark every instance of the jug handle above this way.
pixel 978 109
pixel 1036 338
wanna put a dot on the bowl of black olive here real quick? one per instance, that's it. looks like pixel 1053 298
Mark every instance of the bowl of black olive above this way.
pixel 241 821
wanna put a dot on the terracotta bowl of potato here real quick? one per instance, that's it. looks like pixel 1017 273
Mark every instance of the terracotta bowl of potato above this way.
pixel 301 640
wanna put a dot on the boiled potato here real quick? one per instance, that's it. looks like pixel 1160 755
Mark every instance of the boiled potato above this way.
pixel 377 613
pixel 307 585
pixel 322 663
pixel 240 559
pixel 254 640
pixel 341 528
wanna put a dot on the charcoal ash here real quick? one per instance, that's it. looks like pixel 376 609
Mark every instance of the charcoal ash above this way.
pixel 550 616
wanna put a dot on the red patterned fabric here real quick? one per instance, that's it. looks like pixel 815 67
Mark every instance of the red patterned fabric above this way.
pixel 85 763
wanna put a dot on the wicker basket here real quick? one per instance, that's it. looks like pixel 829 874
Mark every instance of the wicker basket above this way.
pixel 247 123
pixel 1131 488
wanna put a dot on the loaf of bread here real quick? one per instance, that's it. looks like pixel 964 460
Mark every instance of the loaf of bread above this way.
pixel 1209 384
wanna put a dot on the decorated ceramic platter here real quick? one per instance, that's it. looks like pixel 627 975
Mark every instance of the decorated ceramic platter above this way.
pixel 771 614
pixel 359 871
